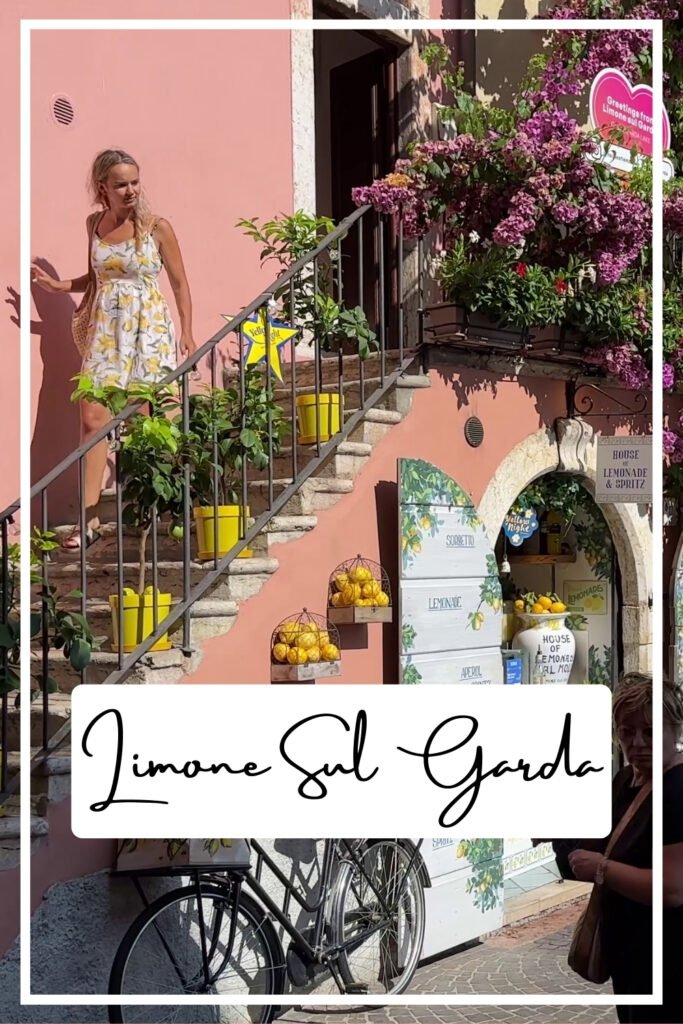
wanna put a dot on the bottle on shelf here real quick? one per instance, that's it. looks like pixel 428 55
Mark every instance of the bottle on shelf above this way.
pixel 537 674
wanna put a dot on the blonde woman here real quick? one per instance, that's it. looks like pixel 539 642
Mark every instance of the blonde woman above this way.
pixel 131 337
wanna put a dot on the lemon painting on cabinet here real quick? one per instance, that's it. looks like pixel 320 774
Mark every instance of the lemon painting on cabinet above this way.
pixel 451 603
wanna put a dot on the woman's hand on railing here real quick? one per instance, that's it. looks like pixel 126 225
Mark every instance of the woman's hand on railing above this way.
pixel 187 345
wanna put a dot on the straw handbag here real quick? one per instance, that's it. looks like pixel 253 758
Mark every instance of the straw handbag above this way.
pixel 80 320
pixel 586 953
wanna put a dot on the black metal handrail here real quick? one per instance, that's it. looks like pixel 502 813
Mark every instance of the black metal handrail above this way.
pixel 374 279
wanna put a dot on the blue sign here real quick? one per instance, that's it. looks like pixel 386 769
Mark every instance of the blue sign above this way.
pixel 513 670
pixel 519 526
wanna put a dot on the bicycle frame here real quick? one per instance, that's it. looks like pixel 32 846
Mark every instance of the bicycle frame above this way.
pixel 315 950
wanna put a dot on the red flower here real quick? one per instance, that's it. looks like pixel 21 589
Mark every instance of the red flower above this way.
pixel 521 269
pixel 561 286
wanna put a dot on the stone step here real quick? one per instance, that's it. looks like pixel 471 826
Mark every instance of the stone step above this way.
pixel 208 617
pixel 282 530
pixel 348 460
pixel 162 667
pixel 243 578
pixel 51 777
pixel 315 495
pixel 105 546
pixel 10 831
pixel 58 712
pixel 375 425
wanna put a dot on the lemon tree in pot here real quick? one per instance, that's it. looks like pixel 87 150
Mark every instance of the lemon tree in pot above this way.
pixel 334 326
pixel 153 450
pixel 240 427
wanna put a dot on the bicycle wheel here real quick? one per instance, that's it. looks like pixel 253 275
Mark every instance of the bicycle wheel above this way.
pixel 178 946
pixel 379 911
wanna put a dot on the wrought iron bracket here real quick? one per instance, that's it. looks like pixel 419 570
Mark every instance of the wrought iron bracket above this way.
pixel 580 402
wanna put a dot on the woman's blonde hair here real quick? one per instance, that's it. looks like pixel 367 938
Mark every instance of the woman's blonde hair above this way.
pixel 99 172
pixel 633 695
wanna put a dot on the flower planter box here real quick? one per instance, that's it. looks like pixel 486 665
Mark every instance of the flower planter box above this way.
pixel 160 854
pixel 305 673
pixel 352 615
pixel 450 320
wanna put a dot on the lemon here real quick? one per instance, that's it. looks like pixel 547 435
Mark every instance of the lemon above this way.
pixel 313 654
pixel 558 607
pixel 323 638
pixel 330 652
pixel 295 656
pixel 382 600
pixel 337 601
pixel 545 602
pixel 538 609
pixel 519 605
pixel 306 641
pixel 289 632
pixel 371 589
pixel 340 580
pixel 280 652
pixel 351 593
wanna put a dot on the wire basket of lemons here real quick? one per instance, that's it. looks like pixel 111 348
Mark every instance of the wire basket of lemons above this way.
pixel 304 647
pixel 359 591
pixel 541 609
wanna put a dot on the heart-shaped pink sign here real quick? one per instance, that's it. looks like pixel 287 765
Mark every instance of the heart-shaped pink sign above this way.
pixel 615 103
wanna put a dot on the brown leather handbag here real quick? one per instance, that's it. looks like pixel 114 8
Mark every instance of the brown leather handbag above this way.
pixel 586 953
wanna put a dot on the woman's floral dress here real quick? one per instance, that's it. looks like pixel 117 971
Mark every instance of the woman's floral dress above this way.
pixel 131 334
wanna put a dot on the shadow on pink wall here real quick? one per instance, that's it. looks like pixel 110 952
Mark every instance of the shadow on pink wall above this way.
pixel 56 428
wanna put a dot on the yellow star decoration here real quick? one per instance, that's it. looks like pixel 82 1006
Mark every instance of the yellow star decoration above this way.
pixel 255 330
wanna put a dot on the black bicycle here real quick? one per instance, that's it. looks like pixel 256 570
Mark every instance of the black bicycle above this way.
pixel 212 937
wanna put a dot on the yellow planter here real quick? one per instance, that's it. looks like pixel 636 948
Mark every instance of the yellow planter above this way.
pixel 232 523
pixel 326 409
pixel 138 619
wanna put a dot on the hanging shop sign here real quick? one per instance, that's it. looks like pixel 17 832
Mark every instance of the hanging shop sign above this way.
pixel 451 604
pixel 624 470
pixel 587 597
pixel 519 526
pixel 617 104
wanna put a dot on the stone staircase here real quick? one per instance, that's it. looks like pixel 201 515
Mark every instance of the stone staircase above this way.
pixel 212 615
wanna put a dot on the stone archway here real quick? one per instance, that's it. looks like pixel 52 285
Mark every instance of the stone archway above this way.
pixel 571 447
pixel 675 592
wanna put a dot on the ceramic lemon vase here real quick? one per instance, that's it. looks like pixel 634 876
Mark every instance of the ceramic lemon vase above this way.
pixel 550 644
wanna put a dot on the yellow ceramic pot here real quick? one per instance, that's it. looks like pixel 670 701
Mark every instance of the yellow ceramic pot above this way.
pixel 138 618
pixel 232 523
pixel 318 416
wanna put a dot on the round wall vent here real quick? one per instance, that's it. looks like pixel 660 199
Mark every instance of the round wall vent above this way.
pixel 474 431
pixel 62 110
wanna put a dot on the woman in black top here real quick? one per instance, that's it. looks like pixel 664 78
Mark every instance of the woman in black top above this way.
pixel 626 876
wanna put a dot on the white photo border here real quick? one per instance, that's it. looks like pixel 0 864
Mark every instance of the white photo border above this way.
pixel 27 26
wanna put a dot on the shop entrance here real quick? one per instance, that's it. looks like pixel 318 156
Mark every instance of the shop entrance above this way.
pixel 560 579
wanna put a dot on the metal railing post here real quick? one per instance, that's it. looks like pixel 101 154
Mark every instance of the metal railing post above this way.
pixel 83 527
pixel 45 625
pixel 119 539
pixel 185 386
pixel 4 697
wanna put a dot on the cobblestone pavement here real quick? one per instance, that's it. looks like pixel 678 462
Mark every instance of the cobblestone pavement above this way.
pixel 525 959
